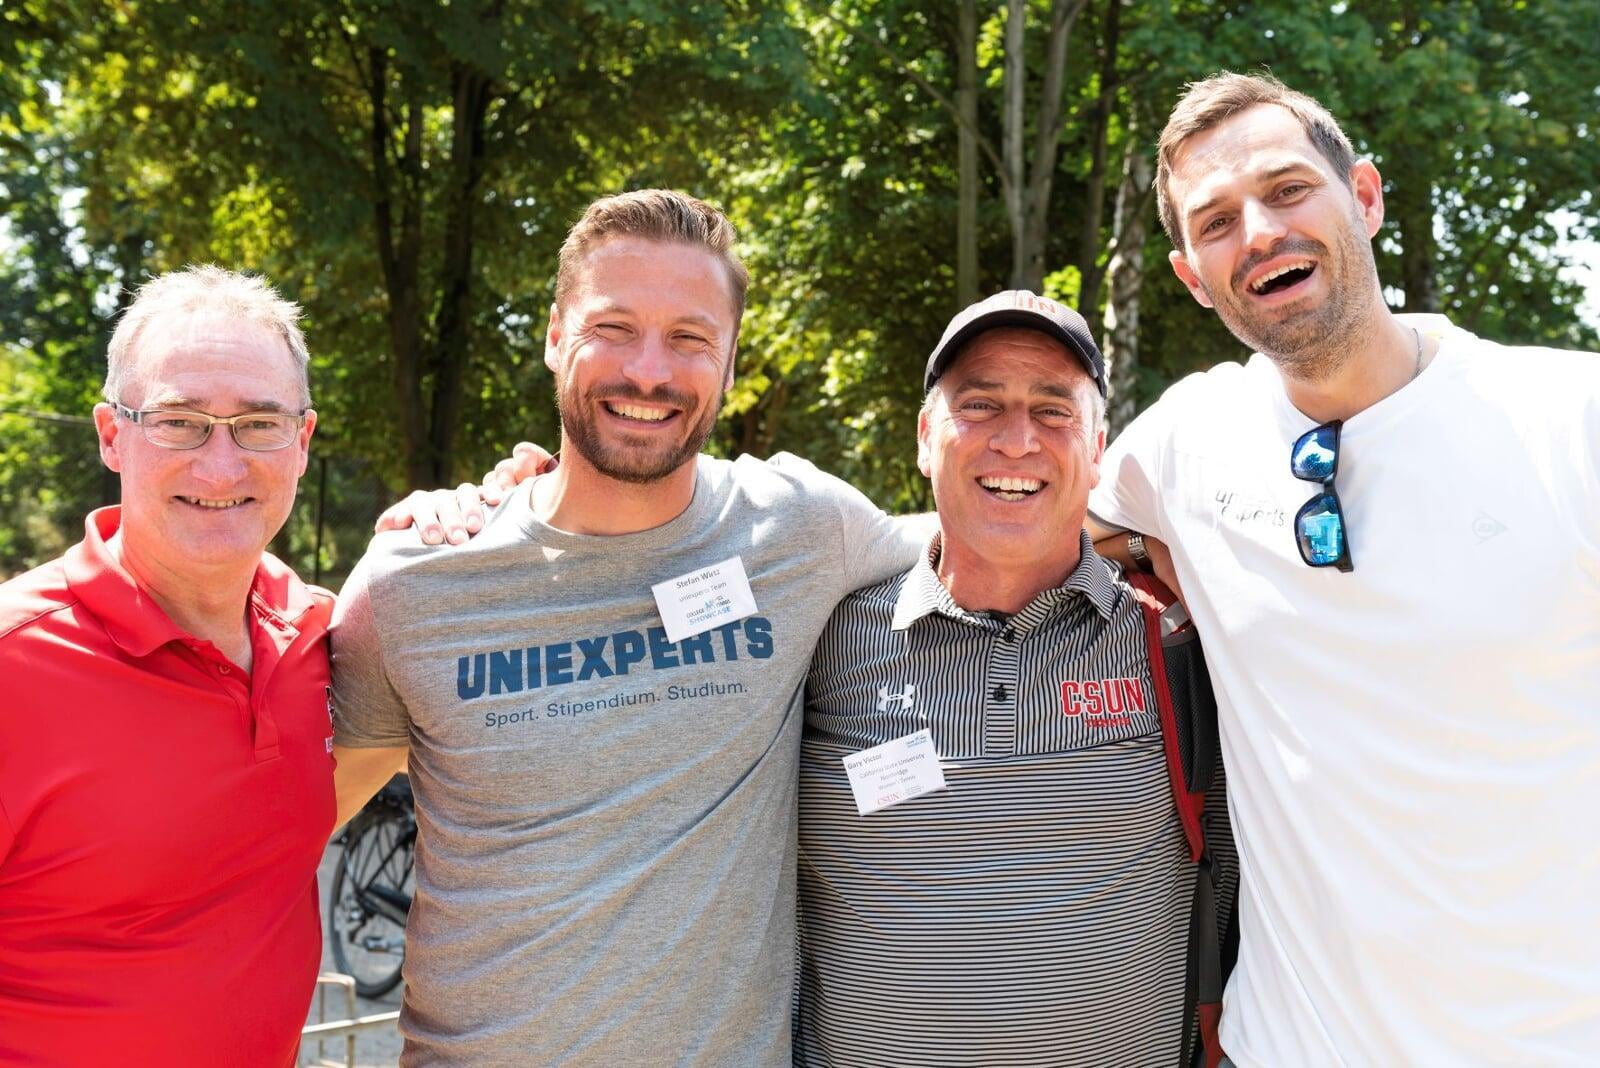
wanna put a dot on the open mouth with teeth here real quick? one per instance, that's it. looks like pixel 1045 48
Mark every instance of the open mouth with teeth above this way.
pixel 1010 488
pixel 638 413
pixel 1283 278
pixel 215 504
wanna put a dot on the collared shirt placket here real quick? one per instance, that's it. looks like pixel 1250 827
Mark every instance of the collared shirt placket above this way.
pixel 1000 688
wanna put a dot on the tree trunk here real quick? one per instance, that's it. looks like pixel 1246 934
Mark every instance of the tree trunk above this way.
pixel 1012 134
pixel 1125 274
pixel 396 218
pixel 1095 195
pixel 967 154
pixel 1031 179
pixel 758 428
pixel 1413 210
pixel 447 361
pixel 404 280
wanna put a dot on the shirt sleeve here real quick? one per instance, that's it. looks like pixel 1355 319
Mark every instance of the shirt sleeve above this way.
pixel 873 544
pixel 1128 496
pixel 367 710
pixel 1589 453
pixel 877 544
pixel 9 663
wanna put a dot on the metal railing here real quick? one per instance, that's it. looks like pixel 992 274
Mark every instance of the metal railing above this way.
pixel 326 1030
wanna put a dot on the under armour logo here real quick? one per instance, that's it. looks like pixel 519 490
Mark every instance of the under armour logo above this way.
pixel 1486 526
pixel 903 699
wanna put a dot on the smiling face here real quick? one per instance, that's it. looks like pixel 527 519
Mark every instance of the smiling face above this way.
pixel 1011 439
pixel 1275 241
pixel 642 352
pixel 189 511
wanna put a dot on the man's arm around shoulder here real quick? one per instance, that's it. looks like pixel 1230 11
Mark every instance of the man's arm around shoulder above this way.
pixel 371 723
pixel 359 773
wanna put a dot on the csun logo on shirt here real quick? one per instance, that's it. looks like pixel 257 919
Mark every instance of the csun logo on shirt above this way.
pixel 1103 702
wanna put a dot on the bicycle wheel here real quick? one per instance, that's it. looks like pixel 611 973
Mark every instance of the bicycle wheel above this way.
pixel 370 897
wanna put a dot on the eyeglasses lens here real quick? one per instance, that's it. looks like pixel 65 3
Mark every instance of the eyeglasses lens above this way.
pixel 1319 525
pixel 264 432
pixel 1320 528
pixel 176 430
pixel 1316 454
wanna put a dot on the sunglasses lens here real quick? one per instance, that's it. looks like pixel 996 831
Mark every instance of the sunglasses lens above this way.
pixel 1316 453
pixel 1319 527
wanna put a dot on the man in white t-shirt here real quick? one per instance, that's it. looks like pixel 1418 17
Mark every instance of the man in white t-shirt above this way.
pixel 1389 532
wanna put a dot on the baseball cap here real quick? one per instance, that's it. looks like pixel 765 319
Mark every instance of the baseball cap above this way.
pixel 1018 307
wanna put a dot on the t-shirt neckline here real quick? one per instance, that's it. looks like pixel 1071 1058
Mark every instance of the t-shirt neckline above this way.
pixel 667 533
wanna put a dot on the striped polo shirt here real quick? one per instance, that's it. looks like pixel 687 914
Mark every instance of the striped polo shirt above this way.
pixel 1036 911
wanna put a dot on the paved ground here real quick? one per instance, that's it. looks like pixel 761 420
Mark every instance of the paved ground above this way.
pixel 374 1049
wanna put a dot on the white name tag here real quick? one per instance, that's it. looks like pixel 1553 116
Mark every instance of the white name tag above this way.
pixel 893 772
pixel 706 598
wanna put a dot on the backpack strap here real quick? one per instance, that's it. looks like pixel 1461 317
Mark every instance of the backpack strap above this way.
pixel 1154 599
pixel 1203 996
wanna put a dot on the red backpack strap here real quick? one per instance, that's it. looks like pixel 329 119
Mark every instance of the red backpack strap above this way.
pixel 1203 998
pixel 1154 598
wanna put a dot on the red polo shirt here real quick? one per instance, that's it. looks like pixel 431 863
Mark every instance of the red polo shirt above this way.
pixel 162 815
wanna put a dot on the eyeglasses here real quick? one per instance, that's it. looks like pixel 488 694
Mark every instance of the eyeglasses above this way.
pixel 1319 525
pixel 255 431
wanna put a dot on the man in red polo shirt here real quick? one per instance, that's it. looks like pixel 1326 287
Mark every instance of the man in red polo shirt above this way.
pixel 166 783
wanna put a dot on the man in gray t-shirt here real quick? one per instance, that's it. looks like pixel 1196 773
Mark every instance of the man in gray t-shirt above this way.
pixel 600 696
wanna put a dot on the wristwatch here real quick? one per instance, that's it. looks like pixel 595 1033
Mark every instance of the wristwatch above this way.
pixel 1137 551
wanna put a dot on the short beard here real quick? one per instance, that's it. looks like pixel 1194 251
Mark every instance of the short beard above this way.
pixel 1315 346
pixel 639 466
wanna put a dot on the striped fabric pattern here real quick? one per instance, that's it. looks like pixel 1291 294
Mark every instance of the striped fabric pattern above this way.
pixel 1036 912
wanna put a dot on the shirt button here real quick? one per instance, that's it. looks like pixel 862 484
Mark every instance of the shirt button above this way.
pixel 999 693
pixel 223 668
pixel 1009 635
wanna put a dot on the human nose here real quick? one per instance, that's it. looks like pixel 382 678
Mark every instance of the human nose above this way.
pixel 649 365
pixel 1014 435
pixel 219 459
pixel 1262 227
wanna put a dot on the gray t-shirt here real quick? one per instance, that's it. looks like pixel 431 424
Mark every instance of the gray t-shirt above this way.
pixel 605 866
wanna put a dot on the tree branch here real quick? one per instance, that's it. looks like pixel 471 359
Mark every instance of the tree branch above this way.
pixel 915 75
pixel 1051 121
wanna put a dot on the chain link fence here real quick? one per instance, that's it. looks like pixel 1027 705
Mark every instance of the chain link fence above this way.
pixel 51 477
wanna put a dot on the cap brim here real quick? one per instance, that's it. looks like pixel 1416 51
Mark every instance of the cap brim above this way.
pixel 951 347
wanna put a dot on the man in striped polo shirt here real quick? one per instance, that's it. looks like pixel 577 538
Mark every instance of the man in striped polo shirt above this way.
pixel 1035 908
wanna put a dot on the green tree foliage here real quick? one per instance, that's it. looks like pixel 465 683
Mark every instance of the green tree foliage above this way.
pixel 407 168
pixel 1479 114
pixel 56 298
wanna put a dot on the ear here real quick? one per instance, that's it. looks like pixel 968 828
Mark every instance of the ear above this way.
pixel 302 442
pixel 733 358
pixel 552 340
pixel 1186 275
pixel 1366 185
pixel 107 429
pixel 1097 452
pixel 924 444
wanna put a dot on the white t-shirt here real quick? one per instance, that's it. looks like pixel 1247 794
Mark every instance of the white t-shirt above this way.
pixel 1413 748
